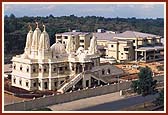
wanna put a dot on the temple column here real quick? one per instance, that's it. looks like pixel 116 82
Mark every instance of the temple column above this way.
pixel 75 68
pixel 98 82
pixel 83 67
pixel 49 84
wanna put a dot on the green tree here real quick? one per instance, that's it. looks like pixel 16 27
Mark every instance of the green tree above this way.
pixel 12 16
pixel 145 85
pixel 160 99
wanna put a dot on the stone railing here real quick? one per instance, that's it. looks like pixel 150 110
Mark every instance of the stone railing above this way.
pixel 72 82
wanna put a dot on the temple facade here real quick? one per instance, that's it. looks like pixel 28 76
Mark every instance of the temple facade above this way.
pixel 59 67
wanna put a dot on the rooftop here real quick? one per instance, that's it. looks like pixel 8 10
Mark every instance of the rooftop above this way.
pixel 134 34
pixel 73 33
pixel 104 36
pixel 150 48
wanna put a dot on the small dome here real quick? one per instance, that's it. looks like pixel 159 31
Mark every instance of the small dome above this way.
pixel 44 40
pixel 36 38
pixel 58 48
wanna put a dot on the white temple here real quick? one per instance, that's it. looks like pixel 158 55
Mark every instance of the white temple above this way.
pixel 42 67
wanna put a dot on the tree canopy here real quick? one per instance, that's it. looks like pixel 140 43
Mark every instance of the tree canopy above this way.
pixel 16 28
pixel 145 85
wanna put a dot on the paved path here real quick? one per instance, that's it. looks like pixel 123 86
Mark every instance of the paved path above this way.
pixel 87 102
pixel 108 102
pixel 120 104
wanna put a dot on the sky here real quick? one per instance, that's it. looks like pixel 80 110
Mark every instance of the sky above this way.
pixel 104 10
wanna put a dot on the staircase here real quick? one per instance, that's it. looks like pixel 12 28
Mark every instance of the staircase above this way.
pixel 70 84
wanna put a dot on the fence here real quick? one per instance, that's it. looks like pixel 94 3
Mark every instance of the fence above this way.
pixel 66 97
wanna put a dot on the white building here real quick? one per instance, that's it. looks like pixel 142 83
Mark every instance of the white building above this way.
pixel 42 67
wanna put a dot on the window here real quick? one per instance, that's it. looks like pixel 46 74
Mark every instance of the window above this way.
pixel 66 67
pixel 82 46
pixel 20 82
pixel 66 37
pixel 39 84
pixel 63 42
pixel 82 41
pixel 34 69
pixel 126 49
pixel 27 69
pixel 40 69
pixel 103 72
pixel 112 46
pixel 45 69
pixel 14 66
pixel 60 69
pixel 54 69
pixel 133 41
pixel 34 84
pixel 121 53
pixel 108 71
pixel 72 68
pixel 27 84
pixel 55 83
pixel 21 68
pixel 133 47
pixel 45 85
pixel 14 80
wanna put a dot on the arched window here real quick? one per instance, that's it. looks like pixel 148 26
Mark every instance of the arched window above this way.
pixel 108 71
pixel 54 69
pixel 45 69
pixel 20 81
pixel 103 72
pixel 21 67
pixel 27 84
pixel 34 69
pixel 14 66
pixel 27 69
pixel 14 80
pixel 39 69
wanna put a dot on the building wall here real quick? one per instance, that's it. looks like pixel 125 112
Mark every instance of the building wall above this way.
pixel 67 97
pixel 117 50
pixel 85 40
pixel 80 40
pixel 102 42
pixel 112 50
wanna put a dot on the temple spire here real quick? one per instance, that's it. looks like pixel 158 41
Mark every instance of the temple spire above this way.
pixel 30 27
pixel 36 24
pixel 44 28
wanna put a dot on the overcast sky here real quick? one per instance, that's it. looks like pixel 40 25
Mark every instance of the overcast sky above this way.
pixel 104 10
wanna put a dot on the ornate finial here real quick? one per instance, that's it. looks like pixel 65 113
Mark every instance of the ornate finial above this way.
pixel 37 24
pixel 44 28
pixel 30 27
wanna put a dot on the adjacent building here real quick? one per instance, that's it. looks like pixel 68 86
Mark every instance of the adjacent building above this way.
pixel 130 45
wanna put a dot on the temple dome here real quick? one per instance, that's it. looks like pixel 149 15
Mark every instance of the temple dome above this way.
pixel 58 48
pixel 44 42
pixel 29 39
pixel 36 38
